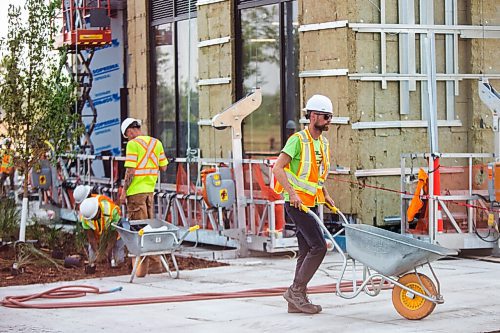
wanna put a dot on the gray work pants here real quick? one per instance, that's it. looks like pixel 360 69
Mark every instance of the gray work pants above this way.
pixel 312 245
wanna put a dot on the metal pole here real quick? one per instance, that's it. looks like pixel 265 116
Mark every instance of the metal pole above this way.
pixel 429 42
pixel 238 176
pixel 435 186
pixel 403 190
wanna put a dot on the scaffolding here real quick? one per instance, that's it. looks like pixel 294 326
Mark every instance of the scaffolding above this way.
pixel 86 27
pixel 182 203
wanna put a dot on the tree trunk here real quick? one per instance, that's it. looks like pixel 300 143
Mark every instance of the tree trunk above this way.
pixel 24 210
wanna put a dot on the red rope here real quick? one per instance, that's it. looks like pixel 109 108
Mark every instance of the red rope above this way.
pixel 424 196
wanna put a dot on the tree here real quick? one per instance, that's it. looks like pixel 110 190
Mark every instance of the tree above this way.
pixel 35 95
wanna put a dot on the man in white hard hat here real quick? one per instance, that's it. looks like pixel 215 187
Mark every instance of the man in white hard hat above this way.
pixel 301 170
pixel 81 193
pixel 144 158
pixel 97 214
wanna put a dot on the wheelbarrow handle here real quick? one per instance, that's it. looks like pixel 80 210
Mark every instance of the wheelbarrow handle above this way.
pixel 334 209
pixel 304 208
pixel 191 229
pixel 320 223
pixel 180 240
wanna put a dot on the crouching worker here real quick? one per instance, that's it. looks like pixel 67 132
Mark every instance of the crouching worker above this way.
pixel 97 214
pixel 81 193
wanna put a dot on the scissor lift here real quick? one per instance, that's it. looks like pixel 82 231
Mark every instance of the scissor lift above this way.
pixel 86 26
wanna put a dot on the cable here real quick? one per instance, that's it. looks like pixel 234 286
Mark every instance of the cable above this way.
pixel 484 238
pixel 436 169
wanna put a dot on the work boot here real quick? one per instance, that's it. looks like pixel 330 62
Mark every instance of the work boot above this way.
pixel 297 298
pixel 293 309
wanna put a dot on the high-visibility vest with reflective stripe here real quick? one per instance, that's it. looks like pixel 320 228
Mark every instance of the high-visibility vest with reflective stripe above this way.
pixel 147 161
pixel 7 164
pixel 310 179
pixel 102 222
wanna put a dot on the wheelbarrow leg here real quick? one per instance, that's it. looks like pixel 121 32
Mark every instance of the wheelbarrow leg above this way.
pixel 175 266
pixel 165 264
pixel 138 262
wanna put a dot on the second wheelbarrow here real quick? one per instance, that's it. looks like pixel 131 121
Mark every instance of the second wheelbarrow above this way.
pixel 153 237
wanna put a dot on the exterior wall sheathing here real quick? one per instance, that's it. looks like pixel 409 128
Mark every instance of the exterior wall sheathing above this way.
pixel 361 101
pixel 215 20
pixel 138 61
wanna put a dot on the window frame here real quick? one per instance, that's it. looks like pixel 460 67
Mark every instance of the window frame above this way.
pixel 152 68
pixel 284 40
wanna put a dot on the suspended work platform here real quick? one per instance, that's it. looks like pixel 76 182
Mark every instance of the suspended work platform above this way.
pixel 87 23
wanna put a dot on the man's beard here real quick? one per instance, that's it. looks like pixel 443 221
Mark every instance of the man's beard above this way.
pixel 323 128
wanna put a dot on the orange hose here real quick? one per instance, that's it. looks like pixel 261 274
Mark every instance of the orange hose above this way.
pixel 82 290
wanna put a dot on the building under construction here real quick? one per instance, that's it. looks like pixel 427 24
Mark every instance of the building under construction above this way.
pixel 404 76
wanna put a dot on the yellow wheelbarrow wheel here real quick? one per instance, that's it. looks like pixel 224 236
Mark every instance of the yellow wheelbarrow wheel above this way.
pixel 409 305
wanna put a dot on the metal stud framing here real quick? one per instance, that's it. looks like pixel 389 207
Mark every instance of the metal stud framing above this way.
pixel 407 29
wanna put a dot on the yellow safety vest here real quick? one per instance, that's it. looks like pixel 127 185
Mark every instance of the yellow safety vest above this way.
pixel 7 164
pixel 309 180
pixel 145 154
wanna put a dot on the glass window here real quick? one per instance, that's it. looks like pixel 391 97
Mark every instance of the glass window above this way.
pixel 292 108
pixel 188 85
pixel 175 95
pixel 269 60
pixel 164 117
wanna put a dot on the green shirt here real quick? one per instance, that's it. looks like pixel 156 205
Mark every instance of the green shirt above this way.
pixel 293 148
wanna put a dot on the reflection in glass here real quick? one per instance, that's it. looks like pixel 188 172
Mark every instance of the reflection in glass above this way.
pixel 261 68
pixel 291 60
pixel 270 53
pixel 164 116
pixel 188 85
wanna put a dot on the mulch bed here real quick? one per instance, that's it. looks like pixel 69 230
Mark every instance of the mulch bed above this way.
pixel 44 272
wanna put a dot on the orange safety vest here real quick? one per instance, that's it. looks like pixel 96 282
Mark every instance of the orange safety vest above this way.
pixel 308 183
pixel 416 202
pixel 107 207
pixel 7 164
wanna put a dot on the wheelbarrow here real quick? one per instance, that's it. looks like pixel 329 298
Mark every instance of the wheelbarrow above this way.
pixel 152 237
pixel 389 257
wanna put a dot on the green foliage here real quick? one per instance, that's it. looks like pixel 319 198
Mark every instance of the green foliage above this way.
pixel 54 237
pixel 36 97
pixel 9 218
pixel 107 239
pixel 261 42
pixel 27 254
pixel 36 231
pixel 80 238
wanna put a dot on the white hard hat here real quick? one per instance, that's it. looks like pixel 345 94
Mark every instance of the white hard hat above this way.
pixel 291 124
pixel 81 193
pixel 319 103
pixel 127 122
pixel 89 208
pixel 6 141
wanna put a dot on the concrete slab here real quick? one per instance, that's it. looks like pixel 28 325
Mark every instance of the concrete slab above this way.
pixel 470 288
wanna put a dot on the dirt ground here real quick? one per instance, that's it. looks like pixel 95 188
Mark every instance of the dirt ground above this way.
pixel 43 271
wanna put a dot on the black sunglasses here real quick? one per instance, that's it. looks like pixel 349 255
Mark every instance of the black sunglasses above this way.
pixel 326 116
